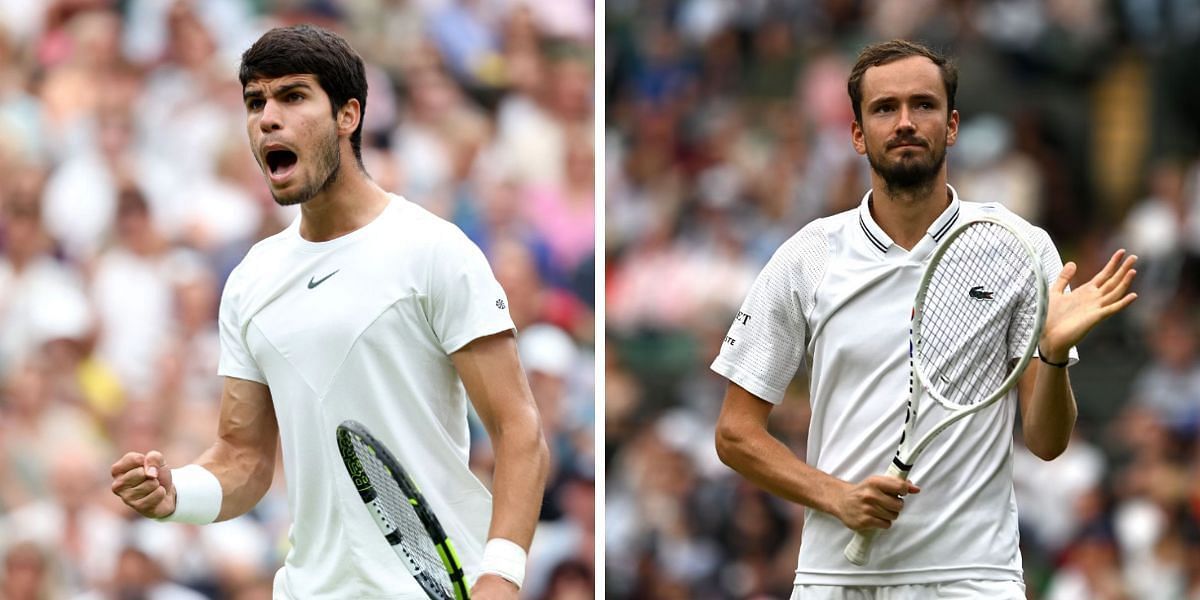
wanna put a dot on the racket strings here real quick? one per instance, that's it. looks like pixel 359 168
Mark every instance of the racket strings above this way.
pixel 413 536
pixel 975 314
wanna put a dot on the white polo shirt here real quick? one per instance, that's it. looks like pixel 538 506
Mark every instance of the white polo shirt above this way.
pixel 362 327
pixel 837 297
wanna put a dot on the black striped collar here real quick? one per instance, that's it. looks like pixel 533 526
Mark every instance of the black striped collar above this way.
pixel 881 241
pixel 945 221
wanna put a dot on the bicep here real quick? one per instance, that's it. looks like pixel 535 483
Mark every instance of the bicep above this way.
pixel 742 409
pixel 491 372
pixel 247 414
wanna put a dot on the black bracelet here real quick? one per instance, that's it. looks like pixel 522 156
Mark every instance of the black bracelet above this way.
pixel 1060 365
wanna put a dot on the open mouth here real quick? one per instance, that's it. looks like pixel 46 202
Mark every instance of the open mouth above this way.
pixel 280 163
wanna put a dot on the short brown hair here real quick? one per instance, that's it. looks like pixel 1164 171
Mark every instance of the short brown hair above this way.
pixel 892 51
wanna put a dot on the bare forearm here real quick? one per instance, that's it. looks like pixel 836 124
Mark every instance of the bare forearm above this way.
pixel 768 463
pixel 243 457
pixel 492 375
pixel 1047 404
pixel 245 474
pixel 522 462
pixel 744 444
pixel 1049 417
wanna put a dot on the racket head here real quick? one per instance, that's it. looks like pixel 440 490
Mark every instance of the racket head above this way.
pixel 980 306
pixel 404 517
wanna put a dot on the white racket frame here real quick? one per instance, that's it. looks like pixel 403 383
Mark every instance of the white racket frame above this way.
pixel 858 551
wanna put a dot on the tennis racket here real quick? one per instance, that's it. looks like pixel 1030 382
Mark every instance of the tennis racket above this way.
pixel 402 514
pixel 980 306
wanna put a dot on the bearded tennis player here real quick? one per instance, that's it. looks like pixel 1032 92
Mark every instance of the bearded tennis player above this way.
pixel 366 307
pixel 837 298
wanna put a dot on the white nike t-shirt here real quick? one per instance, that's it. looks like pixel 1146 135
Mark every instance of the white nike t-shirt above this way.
pixel 362 327
pixel 837 297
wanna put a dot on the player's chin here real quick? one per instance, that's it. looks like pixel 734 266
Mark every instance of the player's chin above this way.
pixel 289 195
pixel 911 154
pixel 288 189
pixel 289 200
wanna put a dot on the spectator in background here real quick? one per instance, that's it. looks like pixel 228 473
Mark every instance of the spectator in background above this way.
pixel 36 421
pixel 570 581
pixel 81 195
pixel 1092 571
pixel 132 294
pixel 994 170
pixel 1167 224
pixel 81 53
pixel 564 214
pixel 532 136
pixel 30 277
pixel 467 39
pixel 84 533
pixel 423 143
pixel 137 576
pixel 1169 386
pixel 27 573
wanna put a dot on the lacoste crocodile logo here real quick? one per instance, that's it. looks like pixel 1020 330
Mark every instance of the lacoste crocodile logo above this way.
pixel 978 293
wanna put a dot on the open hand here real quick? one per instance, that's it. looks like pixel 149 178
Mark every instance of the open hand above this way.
pixel 1070 316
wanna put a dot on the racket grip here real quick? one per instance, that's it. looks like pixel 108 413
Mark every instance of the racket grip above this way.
pixel 858 551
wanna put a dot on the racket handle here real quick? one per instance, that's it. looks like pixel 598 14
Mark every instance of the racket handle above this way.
pixel 858 551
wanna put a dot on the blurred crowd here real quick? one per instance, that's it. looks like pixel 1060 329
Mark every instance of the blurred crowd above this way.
pixel 128 193
pixel 728 128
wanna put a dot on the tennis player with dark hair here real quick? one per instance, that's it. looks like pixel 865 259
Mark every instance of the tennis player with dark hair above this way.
pixel 837 297
pixel 367 307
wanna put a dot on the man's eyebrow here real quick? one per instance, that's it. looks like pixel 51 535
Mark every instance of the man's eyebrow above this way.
pixel 287 87
pixel 880 100
pixel 283 89
pixel 893 98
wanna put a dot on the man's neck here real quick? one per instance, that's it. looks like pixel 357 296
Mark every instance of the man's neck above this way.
pixel 906 214
pixel 348 204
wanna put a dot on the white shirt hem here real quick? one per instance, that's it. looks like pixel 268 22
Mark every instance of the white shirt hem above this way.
pixel 860 577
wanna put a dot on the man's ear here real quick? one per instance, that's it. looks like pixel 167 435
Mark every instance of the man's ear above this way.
pixel 857 137
pixel 349 116
pixel 952 128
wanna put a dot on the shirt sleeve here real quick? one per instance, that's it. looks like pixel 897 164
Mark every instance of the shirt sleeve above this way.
pixel 236 360
pixel 1052 266
pixel 765 346
pixel 465 300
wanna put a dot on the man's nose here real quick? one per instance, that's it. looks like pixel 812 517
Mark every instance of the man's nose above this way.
pixel 905 124
pixel 272 118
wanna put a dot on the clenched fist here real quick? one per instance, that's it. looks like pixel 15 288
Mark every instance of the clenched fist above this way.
pixel 874 503
pixel 144 484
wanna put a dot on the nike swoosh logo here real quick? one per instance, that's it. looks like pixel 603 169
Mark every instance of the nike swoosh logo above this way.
pixel 312 284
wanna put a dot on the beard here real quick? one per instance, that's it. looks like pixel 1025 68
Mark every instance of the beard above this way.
pixel 907 173
pixel 327 156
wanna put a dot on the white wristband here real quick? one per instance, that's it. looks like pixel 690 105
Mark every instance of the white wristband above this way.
pixel 197 496
pixel 504 558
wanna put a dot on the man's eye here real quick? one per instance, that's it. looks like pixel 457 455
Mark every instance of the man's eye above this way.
pixel 254 104
pixel 295 97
